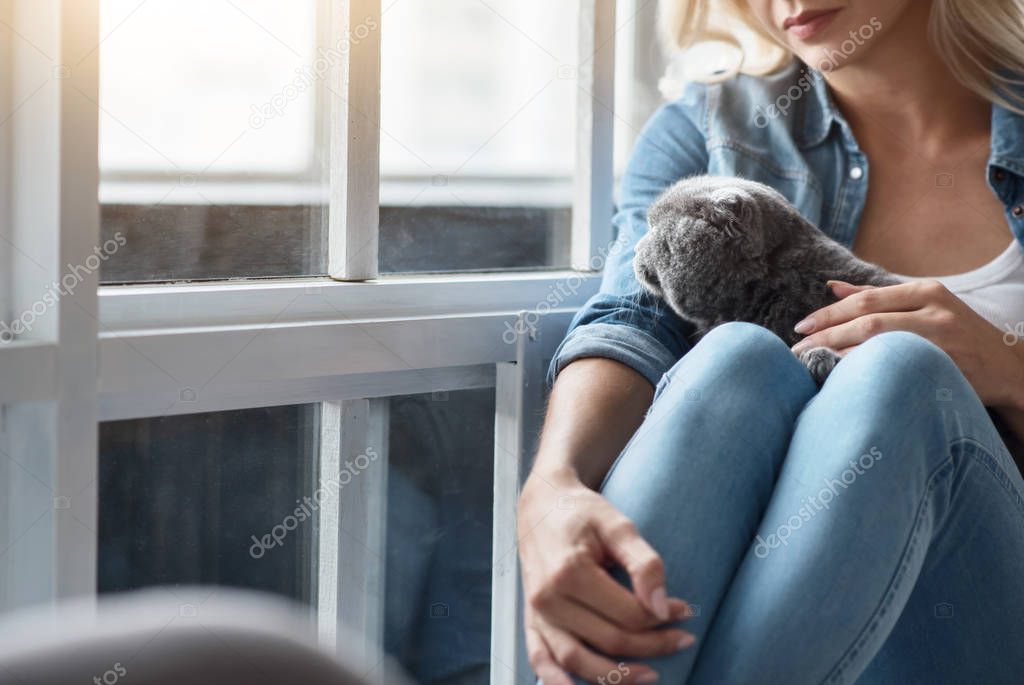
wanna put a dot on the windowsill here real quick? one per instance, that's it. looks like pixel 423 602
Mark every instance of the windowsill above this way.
pixel 404 191
pixel 227 303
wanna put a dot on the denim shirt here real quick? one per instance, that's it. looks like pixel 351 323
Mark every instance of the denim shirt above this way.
pixel 783 130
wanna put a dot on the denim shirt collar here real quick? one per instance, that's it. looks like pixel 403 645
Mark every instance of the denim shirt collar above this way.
pixel 1007 140
pixel 819 113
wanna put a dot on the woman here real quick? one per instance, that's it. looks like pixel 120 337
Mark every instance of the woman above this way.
pixel 873 529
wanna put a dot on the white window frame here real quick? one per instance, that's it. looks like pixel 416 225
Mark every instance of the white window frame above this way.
pixel 152 350
pixel 51 218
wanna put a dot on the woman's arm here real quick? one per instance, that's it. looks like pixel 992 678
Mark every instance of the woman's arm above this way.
pixel 604 371
pixel 581 439
pixel 568 533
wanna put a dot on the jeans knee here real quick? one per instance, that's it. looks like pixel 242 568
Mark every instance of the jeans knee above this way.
pixel 905 345
pixel 744 362
pixel 749 343
pixel 905 362
pixel 900 383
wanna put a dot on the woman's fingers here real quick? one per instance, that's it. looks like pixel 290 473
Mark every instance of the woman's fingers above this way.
pixel 644 566
pixel 904 297
pixel 543 661
pixel 601 634
pixel 851 333
pixel 596 589
pixel 577 611
pixel 588 603
pixel 843 289
pixel 576 658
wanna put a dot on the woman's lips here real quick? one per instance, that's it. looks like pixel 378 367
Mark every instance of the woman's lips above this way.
pixel 807 24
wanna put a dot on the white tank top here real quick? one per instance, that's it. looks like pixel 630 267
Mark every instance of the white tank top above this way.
pixel 994 290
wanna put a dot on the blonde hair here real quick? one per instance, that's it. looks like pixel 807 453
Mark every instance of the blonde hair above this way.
pixel 982 43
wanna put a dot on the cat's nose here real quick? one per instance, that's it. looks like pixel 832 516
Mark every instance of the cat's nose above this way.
pixel 647 274
pixel 652 278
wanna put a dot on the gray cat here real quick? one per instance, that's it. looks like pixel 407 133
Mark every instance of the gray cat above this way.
pixel 727 249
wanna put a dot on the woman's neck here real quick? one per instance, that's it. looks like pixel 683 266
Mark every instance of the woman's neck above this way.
pixel 904 85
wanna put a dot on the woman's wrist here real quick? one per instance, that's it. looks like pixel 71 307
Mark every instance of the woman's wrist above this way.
pixel 544 487
pixel 545 481
pixel 560 475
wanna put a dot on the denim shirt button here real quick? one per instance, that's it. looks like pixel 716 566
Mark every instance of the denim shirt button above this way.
pixel 1018 211
pixel 856 172
pixel 998 174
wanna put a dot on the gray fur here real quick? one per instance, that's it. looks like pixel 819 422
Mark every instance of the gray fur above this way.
pixel 727 249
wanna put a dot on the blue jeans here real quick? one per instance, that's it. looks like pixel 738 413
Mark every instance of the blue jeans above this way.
pixel 872 531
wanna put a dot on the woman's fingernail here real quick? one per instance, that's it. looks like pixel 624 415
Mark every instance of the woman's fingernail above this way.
pixel 800 347
pixel 649 677
pixel 659 603
pixel 804 326
pixel 685 641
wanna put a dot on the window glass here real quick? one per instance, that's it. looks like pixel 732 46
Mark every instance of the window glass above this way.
pixel 211 142
pixel 186 499
pixel 438 578
pixel 477 134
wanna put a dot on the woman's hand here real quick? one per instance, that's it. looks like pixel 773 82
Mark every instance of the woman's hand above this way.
pixel 933 312
pixel 568 537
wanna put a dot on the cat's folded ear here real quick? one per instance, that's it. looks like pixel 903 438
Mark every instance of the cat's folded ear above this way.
pixel 733 209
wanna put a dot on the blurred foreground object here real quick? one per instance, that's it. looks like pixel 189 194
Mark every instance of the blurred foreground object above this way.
pixel 200 636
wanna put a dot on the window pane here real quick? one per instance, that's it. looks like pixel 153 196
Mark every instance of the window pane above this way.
pixel 477 139
pixel 438 579
pixel 183 497
pixel 211 146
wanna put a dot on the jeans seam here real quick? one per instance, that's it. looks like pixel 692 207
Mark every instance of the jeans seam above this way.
pixel 970 448
pixel 981 454
pixel 835 676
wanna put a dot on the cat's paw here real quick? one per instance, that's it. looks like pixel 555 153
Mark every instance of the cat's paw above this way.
pixel 819 361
